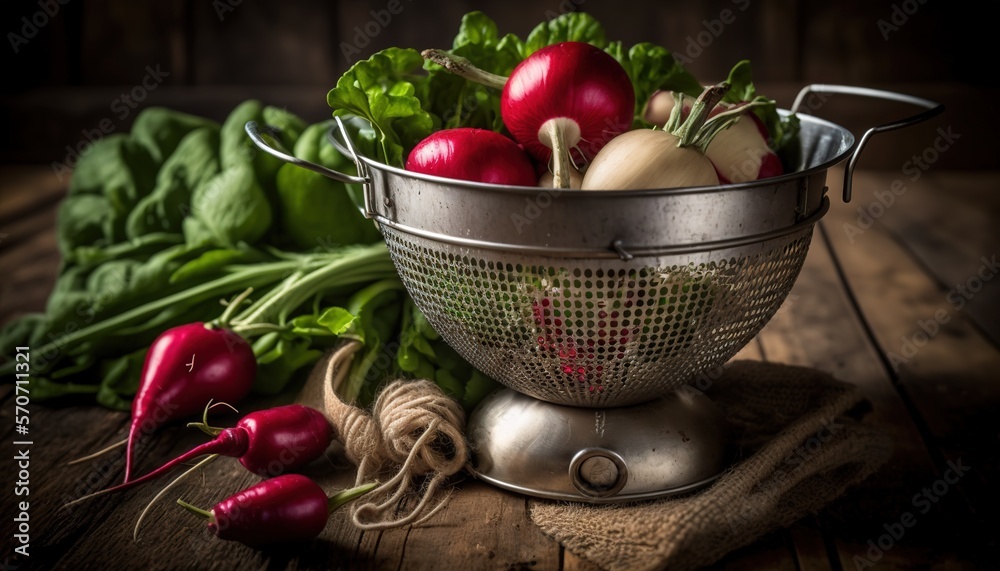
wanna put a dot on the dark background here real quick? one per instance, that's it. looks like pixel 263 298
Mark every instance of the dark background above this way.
pixel 65 79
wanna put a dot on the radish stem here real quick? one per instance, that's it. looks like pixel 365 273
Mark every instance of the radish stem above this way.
pixel 553 134
pixel 344 496
pixel 223 320
pixel 689 131
pixel 195 510
pixel 462 67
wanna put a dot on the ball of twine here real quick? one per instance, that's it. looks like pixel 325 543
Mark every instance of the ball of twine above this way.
pixel 406 410
pixel 415 430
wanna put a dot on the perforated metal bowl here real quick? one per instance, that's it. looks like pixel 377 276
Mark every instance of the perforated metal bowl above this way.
pixel 597 332
pixel 604 298
pixel 599 299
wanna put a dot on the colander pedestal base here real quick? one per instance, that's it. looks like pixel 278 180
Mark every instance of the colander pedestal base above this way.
pixel 666 446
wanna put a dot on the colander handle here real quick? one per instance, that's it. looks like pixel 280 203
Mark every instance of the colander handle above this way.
pixel 931 109
pixel 255 132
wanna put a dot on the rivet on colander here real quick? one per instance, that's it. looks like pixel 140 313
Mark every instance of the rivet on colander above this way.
pixel 617 245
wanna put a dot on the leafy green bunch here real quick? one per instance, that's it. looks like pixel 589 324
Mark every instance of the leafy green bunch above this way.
pixel 162 223
pixel 406 98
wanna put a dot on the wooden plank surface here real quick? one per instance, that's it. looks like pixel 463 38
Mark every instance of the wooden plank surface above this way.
pixel 850 308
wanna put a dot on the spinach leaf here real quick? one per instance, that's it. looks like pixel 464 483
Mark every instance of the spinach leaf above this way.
pixel 84 220
pixel 122 171
pixel 20 332
pixel 277 366
pixel 120 380
pixel 194 161
pixel 160 130
pixel 316 211
pixel 236 148
pixel 229 208
pixel 288 125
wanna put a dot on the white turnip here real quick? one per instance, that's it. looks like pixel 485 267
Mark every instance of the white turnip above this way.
pixel 669 158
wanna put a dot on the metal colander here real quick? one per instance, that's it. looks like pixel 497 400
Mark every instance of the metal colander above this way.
pixel 597 332
pixel 604 298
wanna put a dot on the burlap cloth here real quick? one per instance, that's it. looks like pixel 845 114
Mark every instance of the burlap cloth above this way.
pixel 800 445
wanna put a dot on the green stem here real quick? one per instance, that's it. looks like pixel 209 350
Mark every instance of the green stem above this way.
pixel 352 276
pixel 275 291
pixel 298 292
pixel 344 496
pixel 195 510
pixel 223 319
pixel 254 329
pixel 724 120
pixel 464 68
pixel 688 131
pixel 366 295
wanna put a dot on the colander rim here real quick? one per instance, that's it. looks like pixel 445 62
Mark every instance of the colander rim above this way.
pixel 533 190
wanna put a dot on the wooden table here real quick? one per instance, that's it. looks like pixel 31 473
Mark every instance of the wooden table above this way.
pixel 860 302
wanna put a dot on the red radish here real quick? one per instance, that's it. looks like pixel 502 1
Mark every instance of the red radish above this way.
pixel 572 87
pixel 669 158
pixel 187 366
pixel 285 509
pixel 267 442
pixel 476 155
pixel 582 361
pixel 740 153
pixel 570 95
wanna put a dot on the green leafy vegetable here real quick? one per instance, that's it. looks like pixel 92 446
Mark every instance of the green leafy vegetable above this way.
pixel 194 161
pixel 381 90
pixel 784 133
pixel 122 171
pixel 84 220
pixel 317 211
pixel 288 125
pixel 569 27
pixel 652 68
pixel 461 103
pixel 229 208
pixel 160 130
